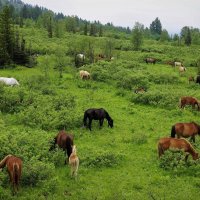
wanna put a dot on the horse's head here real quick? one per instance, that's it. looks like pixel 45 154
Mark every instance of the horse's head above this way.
pixel 110 123
pixel 74 149
pixel 195 156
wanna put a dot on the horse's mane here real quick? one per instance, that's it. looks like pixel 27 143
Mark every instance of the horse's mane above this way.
pixel 191 147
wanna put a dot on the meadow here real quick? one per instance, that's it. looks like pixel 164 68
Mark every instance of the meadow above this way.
pixel 118 163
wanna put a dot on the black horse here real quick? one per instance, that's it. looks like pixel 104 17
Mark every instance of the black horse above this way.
pixel 198 79
pixel 97 114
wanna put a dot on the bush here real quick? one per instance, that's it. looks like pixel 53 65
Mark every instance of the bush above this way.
pixel 105 159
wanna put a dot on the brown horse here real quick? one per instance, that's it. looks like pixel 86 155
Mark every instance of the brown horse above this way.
pixel 189 101
pixel 185 130
pixel 65 141
pixel 174 143
pixel 191 79
pixel 14 167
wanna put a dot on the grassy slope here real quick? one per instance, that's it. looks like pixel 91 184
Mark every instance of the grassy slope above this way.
pixel 134 138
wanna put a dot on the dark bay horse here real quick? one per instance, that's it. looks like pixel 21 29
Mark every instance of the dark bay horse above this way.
pixel 97 114
pixel 14 167
pixel 185 130
pixel 174 143
pixel 189 101
pixel 150 60
pixel 65 141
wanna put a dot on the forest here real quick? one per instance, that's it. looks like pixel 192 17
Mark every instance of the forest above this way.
pixel 39 49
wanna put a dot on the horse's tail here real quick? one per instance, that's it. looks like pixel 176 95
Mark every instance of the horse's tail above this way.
pixel 173 131
pixel 160 150
pixel 15 175
pixel 85 119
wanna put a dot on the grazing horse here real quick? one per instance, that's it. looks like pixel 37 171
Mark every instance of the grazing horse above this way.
pixel 9 81
pixel 185 130
pixel 79 60
pixel 74 161
pixel 181 69
pixel 189 101
pixel 14 167
pixel 191 79
pixel 174 143
pixel 150 60
pixel 178 64
pixel 140 90
pixel 97 114
pixel 198 79
pixel 65 141
pixel 84 74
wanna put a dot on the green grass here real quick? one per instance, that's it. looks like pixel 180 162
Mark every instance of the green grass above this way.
pixel 118 163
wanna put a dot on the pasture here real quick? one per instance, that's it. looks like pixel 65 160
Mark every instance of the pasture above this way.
pixel 114 163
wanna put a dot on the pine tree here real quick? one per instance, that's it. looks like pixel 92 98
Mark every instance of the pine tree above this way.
pixel 156 27
pixel 188 39
pixel 50 28
pixel 100 31
pixel 137 35
pixel 85 28
pixel 6 36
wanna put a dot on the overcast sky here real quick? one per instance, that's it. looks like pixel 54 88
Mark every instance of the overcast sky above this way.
pixel 173 14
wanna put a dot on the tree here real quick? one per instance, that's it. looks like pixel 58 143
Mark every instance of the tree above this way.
pixel 85 28
pixel 6 36
pixel 50 28
pixel 164 36
pixel 188 39
pixel 137 35
pixel 156 27
pixel 100 31
pixel 109 46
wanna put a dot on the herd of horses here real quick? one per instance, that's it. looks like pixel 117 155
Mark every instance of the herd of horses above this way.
pixel 65 140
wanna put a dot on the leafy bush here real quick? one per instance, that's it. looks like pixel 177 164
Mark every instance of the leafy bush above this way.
pixel 105 159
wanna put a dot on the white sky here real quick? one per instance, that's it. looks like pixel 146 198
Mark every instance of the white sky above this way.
pixel 173 14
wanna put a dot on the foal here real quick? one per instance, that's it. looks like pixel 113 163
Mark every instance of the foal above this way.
pixel 74 161
pixel 14 167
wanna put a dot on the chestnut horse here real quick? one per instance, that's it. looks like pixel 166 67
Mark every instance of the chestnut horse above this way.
pixel 189 101
pixel 97 114
pixel 65 141
pixel 174 143
pixel 185 130
pixel 14 167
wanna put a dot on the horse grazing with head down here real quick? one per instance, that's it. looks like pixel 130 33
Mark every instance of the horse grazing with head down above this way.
pixel 97 114
pixel 174 143
pixel 150 60
pixel 185 130
pixel 74 161
pixel 84 74
pixel 189 101
pixel 65 141
pixel 14 167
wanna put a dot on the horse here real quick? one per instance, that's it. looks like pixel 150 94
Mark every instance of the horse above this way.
pixel 14 167
pixel 64 141
pixel 198 79
pixel 191 79
pixel 79 60
pixel 140 90
pixel 84 74
pixel 9 81
pixel 185 130
pixel 150 60
pixel 178 64
pixel 174 143
pixel 74 161
pixel 97 114
pixel 181 69
pixel 189 101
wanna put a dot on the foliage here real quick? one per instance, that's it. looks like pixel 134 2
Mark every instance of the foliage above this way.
pixel 137 35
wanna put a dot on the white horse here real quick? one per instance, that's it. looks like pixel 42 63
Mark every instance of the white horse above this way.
pixel 177 64
pixel 9 81
pixel 74 161
pixel 182 69
pixel 84 74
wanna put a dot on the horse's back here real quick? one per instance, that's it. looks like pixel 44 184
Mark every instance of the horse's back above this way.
pixel 64 139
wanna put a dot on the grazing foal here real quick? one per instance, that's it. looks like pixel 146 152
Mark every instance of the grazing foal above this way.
pixel 14 167
pixel 189 101
pixel 74 161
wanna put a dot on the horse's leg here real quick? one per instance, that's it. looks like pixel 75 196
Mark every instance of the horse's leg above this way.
pixel 101 122
pixel 193 138
pixel 90 122
pixel 186 157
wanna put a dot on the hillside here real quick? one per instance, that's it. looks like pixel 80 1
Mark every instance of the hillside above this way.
pixel 115 163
